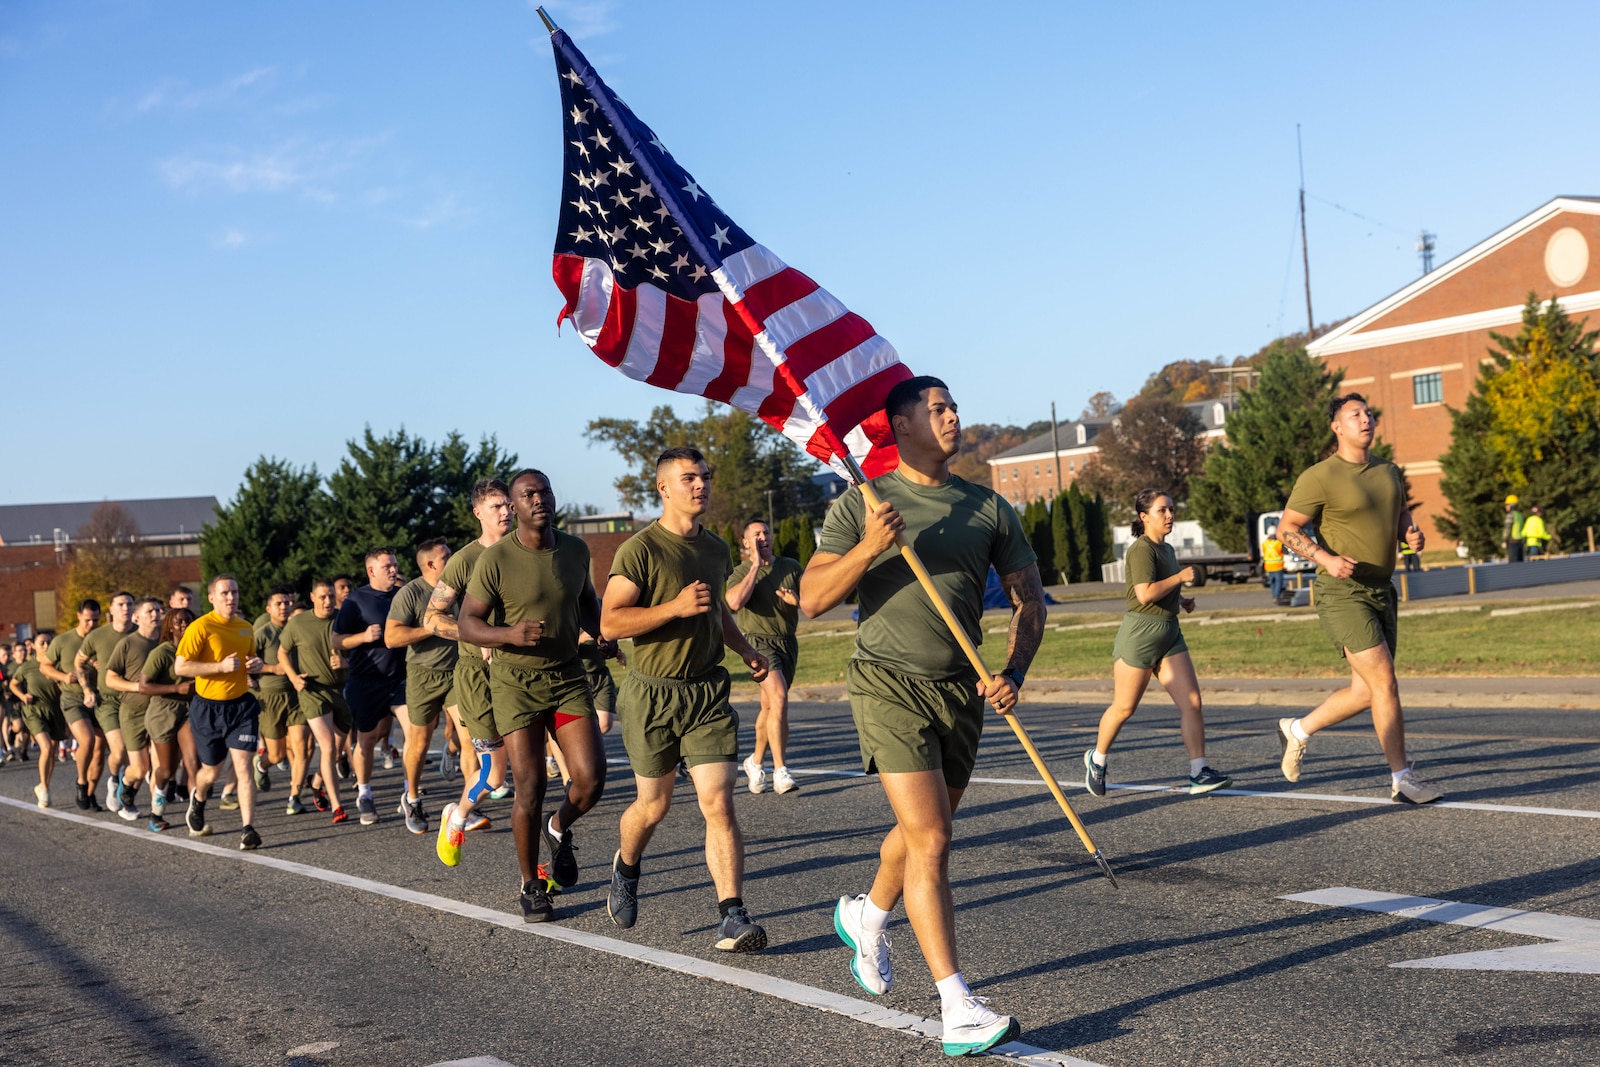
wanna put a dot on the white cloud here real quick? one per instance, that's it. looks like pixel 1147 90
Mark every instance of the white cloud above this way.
pixel 175 95
pixel 445 209
pixel 294 166
pixel 580 18
pixel 231 239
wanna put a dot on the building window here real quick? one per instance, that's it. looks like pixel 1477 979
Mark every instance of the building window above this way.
pixel 1049 468
pixel 1072 464
pixel 1083 434
pixel 1036 470
pixel 1014 474
pixel 1002 474
pixel 1427 388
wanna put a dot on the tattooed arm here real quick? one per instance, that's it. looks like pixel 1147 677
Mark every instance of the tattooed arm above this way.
pixel 1022 641
pixel 438 618
pixel 1291 531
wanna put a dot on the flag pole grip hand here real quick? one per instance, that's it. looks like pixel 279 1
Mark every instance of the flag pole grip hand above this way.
pixel 909 554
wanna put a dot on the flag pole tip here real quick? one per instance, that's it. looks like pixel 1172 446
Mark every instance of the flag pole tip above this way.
pixel 544 18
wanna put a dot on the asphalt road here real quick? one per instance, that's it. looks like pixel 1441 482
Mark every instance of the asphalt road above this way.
pixel 122 947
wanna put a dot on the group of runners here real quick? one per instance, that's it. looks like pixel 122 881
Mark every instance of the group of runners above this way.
pixel 505 640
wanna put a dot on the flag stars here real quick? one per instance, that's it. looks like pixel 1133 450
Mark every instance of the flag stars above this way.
pixel 598 210
pixel 572 76
pixel 581 234
pixel 643 191
pixel 617 235
pixel 622 167
pixel 600 140
pixel 660 246
pixel 698 273
pixel 636 252
pixel 599 178
pixel 658 273
pixel 694 190
pixel 583 149
pixel 642 223
pixel 621 200
pixel 661 212
pixel 581 204
pixel 681 263
pixel 579 116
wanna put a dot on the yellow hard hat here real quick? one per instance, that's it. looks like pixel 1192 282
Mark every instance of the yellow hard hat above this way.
pixel 1512 499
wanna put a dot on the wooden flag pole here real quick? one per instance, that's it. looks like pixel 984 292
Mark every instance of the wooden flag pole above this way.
pixel 909 554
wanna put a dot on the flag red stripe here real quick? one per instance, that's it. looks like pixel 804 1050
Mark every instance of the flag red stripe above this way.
pixel 826 343
pixel 677 343
pixel 857 404
pixel 736 355
pixel 568 272
pixel 612 344
pixel 778 291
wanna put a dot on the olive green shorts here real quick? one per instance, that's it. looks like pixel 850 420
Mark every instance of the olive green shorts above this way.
pixel 277 705
pixel 317 700
pixel 72 707
pixel 782 654
pixel 530 696
pixel 428 693
pixel 474 702
pixel 164 718
pixel 604 688
pixel 107 715
pixel 1357 616
pixel 135 735
pixel 668 719
pixel 1143 641
pixel 908 724
pixel 41 717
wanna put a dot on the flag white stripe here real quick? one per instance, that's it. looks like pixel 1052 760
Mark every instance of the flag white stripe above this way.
pixel 743 269
pixel 811 312
pixel 594 298
pixel 710 337
pixel 827 382
pixel 758 386
pixel 644 346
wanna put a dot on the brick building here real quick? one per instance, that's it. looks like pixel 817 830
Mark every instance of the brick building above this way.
pixel 36 544
pixel 1417 353
pixel 1028 471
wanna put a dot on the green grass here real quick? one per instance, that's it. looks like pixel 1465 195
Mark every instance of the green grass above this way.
pixel 1467 643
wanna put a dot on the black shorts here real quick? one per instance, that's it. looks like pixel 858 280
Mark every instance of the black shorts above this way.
pixel 370 699
pixel 218 725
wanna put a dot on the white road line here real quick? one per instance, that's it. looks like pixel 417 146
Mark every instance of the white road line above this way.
pixel 475 1061
pixel 779 988
pixel 1276 794
pixel 1573 943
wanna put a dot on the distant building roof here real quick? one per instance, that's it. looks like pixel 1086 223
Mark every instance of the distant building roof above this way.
pixel 164 519
pixel 1079 435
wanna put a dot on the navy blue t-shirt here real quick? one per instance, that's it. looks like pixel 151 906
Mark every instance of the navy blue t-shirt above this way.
pixel 362 608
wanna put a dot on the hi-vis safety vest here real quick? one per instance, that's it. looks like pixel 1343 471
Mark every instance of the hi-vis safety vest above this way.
pixel 1272 554
pixel 1533 530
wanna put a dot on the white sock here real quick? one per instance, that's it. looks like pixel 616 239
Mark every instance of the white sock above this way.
pixel 1299 731
pixel 952 992
pixel 411 798
pixel 458 821
pixel 776 767
pixel 874 920
pixel 1397 775
pixel 364 790
pixel 552 825
pixel 1196 766
pixel 1099 758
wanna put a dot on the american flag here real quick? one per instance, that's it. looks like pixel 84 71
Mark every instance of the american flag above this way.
pixel 670 291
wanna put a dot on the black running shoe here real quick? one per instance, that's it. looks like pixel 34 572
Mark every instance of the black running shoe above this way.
pixel 249 841
pixel 535 903
pixel 82 799
pixel 563 864
pixel 177 793
pixel 262 779
pixel 128 794
pixel 1207 780
pixel 740 933
pixel 1094 775
pixel 622 902
pixel 195 819
pixel 342 768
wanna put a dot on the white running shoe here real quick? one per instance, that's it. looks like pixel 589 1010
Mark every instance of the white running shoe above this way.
pixel 783 781
pixel 1293 749
pixel 757 776
pixel 113 800
pixel 43 794
pixel 1413 790
pixel 970 1026
pixel 870 966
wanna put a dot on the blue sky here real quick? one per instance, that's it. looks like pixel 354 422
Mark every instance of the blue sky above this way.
pixel 266 226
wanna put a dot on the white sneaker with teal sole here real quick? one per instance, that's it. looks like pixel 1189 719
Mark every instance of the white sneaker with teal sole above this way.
pixel 870 964
pixel 970 1026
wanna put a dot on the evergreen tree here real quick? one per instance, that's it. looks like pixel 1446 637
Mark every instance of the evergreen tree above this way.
pixel 1036 527
pixel 1278 429
pixel 730 534
pixel 805 538
pixel 786 539
pixel 270 532
pixel 456 469
pixel 1082 563
pixel 382 494
pixel 1536 431
pixel 1098 536
pixel 1065 539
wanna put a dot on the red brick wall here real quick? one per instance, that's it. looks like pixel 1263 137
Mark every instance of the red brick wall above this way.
pixel 602 549
pixel 20 578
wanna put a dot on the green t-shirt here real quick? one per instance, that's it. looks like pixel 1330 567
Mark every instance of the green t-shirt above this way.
pixel 310 641
pixel 159 665
pixel 661 563
pixel 959 530
pixel 97 647
pixel 522 584
pixel 408 608
pixel 456 574
pixel 765 613
pixel 36 685
pixel 1149 562
pixel 267 635
pixel 63 650
pixel 128 660
pixel 1356 508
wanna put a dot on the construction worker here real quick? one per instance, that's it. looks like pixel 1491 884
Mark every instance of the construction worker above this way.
pixel 1409 557
pixel 1272 563
pixel 1534 533
pixel 1511 538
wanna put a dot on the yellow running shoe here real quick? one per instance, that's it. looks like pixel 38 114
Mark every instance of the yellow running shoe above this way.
pixel 448 843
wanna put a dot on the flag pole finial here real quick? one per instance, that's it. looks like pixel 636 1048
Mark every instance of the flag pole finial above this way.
pixel 551 26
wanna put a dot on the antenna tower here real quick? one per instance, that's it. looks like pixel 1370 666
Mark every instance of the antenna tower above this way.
pixel 1425 245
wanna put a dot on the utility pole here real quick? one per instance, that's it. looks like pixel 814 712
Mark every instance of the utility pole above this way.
pixel 769 510
pixel 1425 244
pixel 1305 252
pixel 1055 443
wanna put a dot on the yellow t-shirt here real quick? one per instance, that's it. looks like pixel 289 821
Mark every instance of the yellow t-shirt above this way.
pixel 212 639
